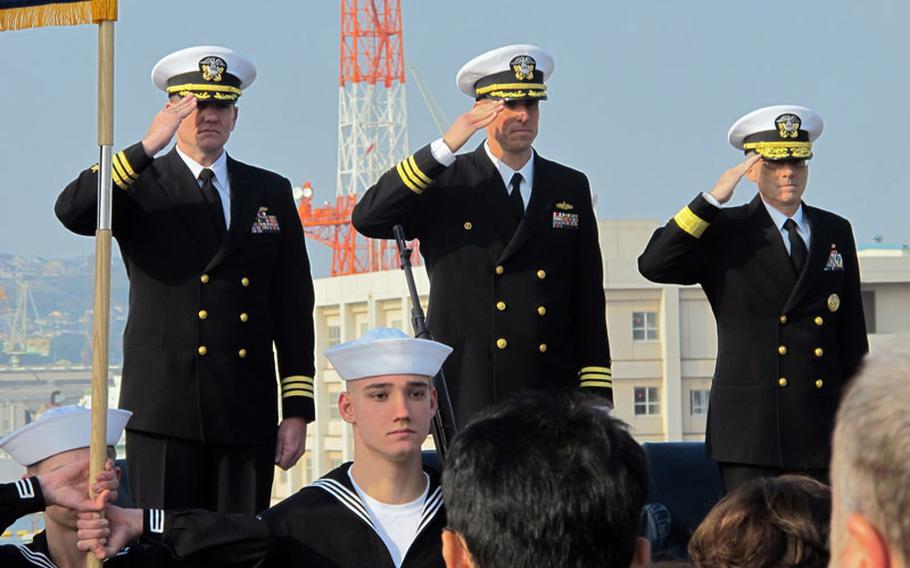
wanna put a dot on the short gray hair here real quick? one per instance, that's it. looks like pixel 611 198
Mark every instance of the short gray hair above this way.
pixel 870 468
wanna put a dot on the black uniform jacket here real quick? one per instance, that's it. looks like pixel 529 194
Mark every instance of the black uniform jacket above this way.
pixel 522 312
pixel 324 525
pixel 787 343
pixel 204 312
pixel 24 497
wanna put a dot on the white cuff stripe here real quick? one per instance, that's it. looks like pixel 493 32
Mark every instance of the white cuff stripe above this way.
pixel 156 521
pixel 25 489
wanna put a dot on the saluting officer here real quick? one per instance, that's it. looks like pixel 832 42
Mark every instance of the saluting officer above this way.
pixel 510 241
pixel 218 271
pixel 783 281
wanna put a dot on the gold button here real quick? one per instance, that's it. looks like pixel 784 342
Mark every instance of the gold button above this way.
pixel 819 351
pixel 501 306
pixel 782 382
pixel 202 350
pixel 502 343
pixel 541 274
pixel 244 281
pixel 542 347
pixel 819 383
pixel 204 278
pixel 244 317
pixel 468 226
pixel 242 353
pixel 782 349
pixel 541 310
pixel 500 269
pixel 819 320
pixel 203 314
pixel 783 319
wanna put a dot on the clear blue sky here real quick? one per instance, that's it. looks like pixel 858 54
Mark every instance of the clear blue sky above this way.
pixel 641 100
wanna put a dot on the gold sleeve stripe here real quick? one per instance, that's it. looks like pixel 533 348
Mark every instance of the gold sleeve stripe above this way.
pixel 595 370
pixel 597 384
pixel 603 376
pixel 286 384
pixel 690 222
pixel 125 164
pixel 118 180
pixel 290 378
pixel 121 173
pixel 406 180
pixel 410 173
pixel 300 392
pixel 422 176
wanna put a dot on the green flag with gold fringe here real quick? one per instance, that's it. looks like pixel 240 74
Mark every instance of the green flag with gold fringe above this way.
pixel 22 14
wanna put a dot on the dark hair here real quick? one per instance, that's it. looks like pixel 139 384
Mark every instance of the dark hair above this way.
pixel 782 521
pixel 546 479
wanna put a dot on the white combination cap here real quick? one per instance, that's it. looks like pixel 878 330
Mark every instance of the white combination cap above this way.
pixel 387 351
pixel 508 73
pixel 209 72
pixel 780 132
pixel 59 430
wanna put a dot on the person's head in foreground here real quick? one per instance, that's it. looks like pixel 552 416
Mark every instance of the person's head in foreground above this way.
pixel 870 464
pixel 55 448
pixel 389 398
pixel 781 521
pixel 545 479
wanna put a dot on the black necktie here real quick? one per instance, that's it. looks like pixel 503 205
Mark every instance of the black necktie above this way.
pixel 518 206
pixel 798 251
pixel 214 200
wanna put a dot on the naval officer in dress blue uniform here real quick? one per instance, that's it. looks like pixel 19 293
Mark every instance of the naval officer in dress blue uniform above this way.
pixel 510 240
pixel 219 277
pixel 782 278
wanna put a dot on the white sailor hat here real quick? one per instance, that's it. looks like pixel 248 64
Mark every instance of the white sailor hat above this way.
pixel 507 73
pixel 209 72
pixel 387 351
pixel 780 132
pixel 59 430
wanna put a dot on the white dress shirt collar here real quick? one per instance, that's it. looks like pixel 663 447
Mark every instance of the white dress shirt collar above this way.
pixel 221 182
pixel 506 171
pixel 802 223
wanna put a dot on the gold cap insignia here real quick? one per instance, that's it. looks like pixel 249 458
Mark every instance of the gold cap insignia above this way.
pixel 562 205
pixel 523 66
pixel 212 67
pixel 833 302
pixel 788 125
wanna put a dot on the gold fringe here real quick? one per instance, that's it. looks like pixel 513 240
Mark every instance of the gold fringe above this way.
pixel 61 14
pixel 70 14
pixel 104 10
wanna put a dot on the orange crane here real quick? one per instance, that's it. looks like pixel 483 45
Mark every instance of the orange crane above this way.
pixel 372 133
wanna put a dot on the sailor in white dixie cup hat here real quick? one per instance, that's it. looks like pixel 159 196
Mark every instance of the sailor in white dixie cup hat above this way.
pixel 218 275
pixel 783 281
pixel 54 449
pixel 383 509
pixel 510 238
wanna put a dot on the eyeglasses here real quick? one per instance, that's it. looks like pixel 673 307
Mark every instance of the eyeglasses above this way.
pixel 778 164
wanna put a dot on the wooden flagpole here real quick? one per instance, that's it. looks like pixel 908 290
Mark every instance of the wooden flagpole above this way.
pixel 102 305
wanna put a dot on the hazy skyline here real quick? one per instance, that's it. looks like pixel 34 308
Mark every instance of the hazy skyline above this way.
pixel 641 99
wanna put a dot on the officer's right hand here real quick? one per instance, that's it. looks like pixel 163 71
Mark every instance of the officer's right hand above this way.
pixel 482 114
pixel 723 189
pixel 166 123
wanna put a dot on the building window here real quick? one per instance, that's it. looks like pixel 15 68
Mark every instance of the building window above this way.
pixel 868 297
pixel 335 459
pixel 644 326
pixel 334 335
pixel 647 401
pixel 698 401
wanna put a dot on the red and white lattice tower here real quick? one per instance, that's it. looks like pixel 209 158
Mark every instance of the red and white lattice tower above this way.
pixel 372 131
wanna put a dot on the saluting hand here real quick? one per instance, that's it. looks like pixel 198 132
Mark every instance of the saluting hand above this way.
pixel 482 114
pixel 723 189
pixel 166 123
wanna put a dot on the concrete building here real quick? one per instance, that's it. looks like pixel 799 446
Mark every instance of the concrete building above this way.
pixel 662 338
